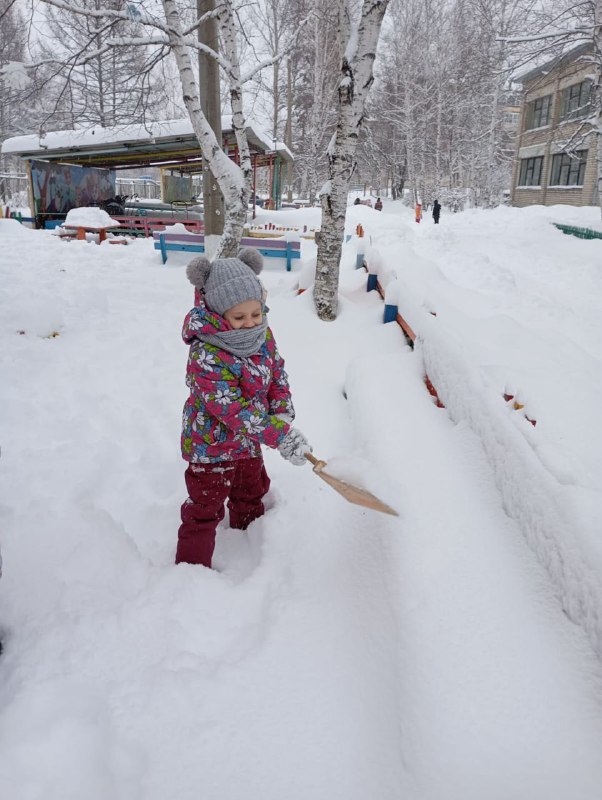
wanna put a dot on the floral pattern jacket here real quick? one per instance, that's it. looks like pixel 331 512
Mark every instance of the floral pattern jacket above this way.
pixel 235 404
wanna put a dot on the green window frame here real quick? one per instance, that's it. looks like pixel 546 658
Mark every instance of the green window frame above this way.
pixel 568 170
pixel 538 112
pixel 530 171
pixel 575 100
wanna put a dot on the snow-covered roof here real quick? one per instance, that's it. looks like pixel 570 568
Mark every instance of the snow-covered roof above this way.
pixel 164 141
pixel 568 56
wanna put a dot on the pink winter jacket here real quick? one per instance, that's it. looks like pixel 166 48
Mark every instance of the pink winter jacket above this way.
pixel 235 404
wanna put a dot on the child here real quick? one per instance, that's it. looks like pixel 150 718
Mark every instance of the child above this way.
pixel 239 399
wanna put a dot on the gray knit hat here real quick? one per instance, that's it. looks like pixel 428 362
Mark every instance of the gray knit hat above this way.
pixel 228 281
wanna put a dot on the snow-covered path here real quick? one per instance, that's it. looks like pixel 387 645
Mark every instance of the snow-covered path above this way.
pixel 338 653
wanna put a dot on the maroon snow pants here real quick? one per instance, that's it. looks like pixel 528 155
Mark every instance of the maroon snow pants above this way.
pixel 243 483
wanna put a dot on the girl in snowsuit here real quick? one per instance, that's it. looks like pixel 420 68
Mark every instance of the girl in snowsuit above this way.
pixel 239 399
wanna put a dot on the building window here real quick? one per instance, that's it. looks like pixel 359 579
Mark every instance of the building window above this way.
pixel 575 100
pixel 538 112
pixel 568 170
pixel 530 171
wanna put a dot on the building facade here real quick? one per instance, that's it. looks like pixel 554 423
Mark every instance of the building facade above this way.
pixel 556 161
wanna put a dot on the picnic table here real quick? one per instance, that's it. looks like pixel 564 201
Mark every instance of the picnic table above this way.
pixel 81 221
pixel 80 231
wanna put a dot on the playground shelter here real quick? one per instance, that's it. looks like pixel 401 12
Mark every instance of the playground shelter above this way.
pixel 169 145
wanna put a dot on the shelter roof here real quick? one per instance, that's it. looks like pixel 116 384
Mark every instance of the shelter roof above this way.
pixel 152 144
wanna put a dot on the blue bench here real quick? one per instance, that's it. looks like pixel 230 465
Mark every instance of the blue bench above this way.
pixel 195 243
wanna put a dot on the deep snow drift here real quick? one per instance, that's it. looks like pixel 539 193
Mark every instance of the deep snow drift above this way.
pixel 337 653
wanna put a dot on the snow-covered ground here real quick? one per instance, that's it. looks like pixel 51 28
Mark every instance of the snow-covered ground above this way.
pixel 336 653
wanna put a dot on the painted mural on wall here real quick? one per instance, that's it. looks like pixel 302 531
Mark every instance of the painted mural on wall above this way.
pixel 57 188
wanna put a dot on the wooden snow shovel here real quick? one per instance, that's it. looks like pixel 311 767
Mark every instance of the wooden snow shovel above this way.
pixel 351 493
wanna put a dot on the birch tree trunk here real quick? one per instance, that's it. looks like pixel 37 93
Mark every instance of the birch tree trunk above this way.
pixel 358 38
pixel 239 123
pixel 232 180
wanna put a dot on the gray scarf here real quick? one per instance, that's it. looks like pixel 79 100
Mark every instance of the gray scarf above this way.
pixel 243 342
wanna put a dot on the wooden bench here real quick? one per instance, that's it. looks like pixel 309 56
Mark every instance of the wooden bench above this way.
pixel 79 231
pixel 195 243
pixel 145 226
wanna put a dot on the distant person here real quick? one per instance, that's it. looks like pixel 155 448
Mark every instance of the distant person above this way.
pixel 436 211
pixel 239 400
pixel 378 206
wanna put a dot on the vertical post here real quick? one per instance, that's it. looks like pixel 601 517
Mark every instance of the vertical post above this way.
pixel 254 158
pixel 213 202
pixel 276 181
pixel 359 258
pixel 163 248
pixel 31 194
pixel 288 130
pixel 390 313
pixel 271 178
pixel 289 251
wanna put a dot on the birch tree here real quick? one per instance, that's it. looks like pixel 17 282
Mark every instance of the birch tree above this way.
pixel 358 34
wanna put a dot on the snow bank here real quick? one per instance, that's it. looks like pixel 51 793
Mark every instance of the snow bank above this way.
pixel 516 319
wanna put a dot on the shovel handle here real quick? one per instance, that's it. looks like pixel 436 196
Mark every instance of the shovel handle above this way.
pixel 318 465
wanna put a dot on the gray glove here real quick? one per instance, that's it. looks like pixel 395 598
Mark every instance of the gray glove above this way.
pixel 294 446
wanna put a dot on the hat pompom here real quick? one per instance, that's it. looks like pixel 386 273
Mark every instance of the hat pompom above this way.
pixel 198 271
pixel 252 258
